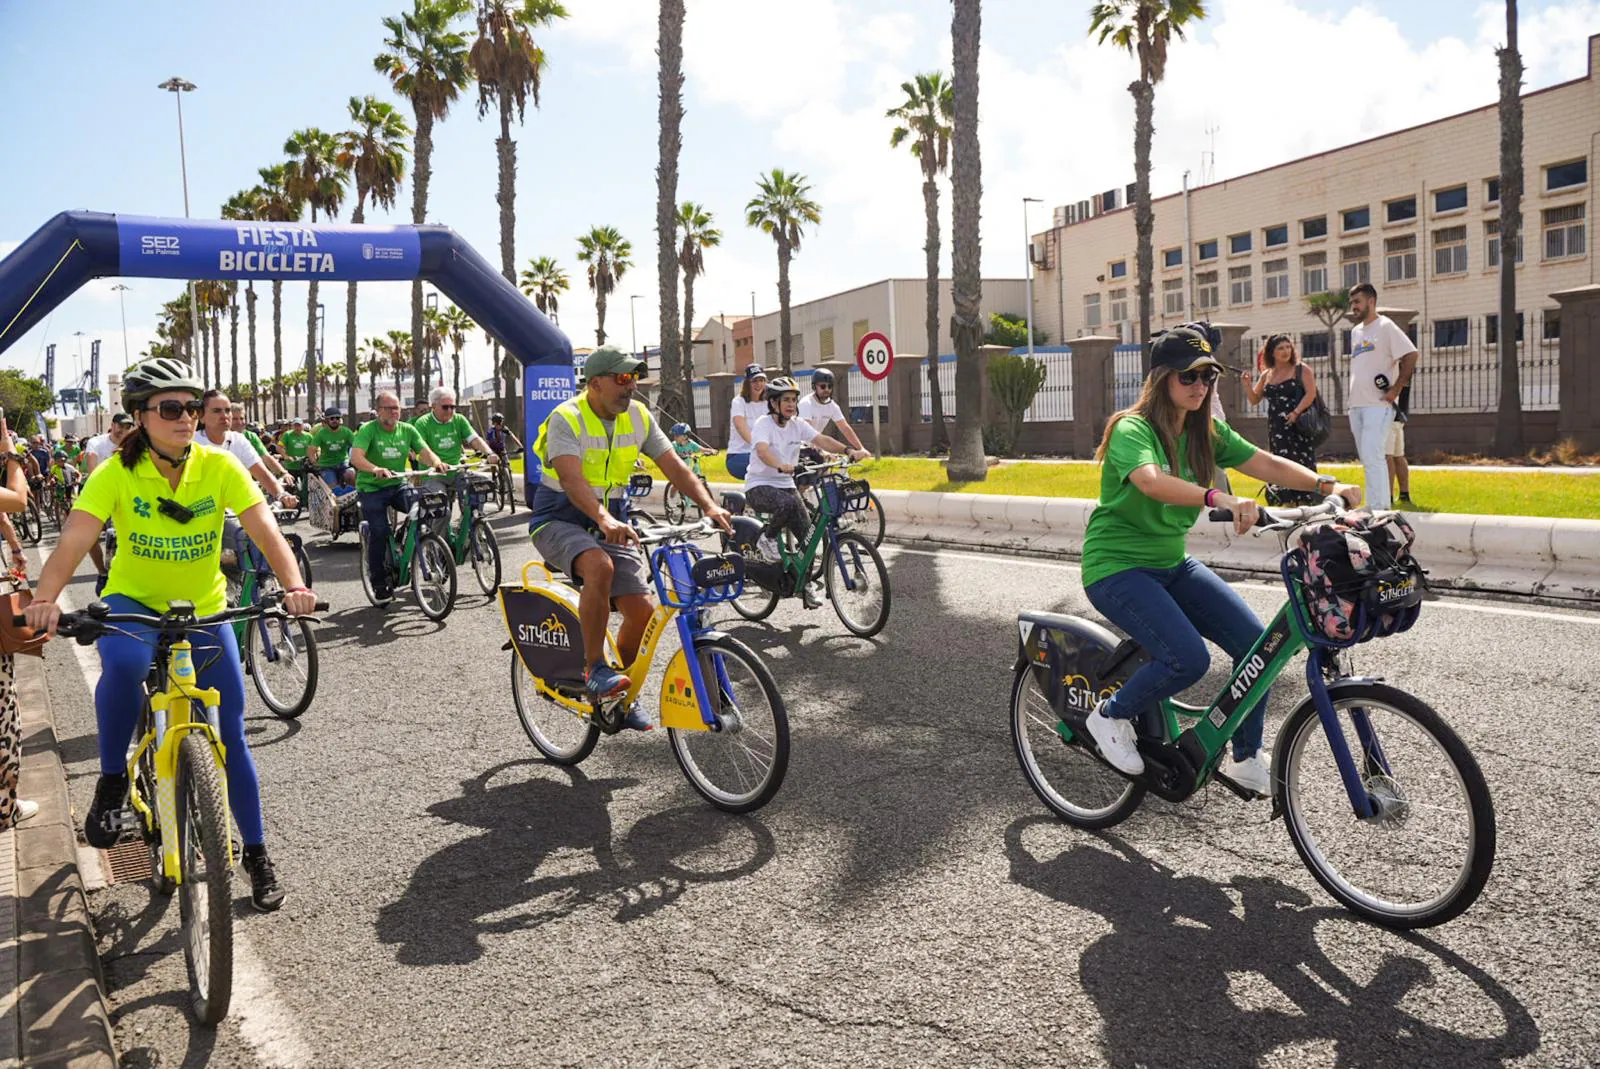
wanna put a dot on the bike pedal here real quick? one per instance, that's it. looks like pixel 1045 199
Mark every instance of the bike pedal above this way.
pixel 125 820
pixel 1243 792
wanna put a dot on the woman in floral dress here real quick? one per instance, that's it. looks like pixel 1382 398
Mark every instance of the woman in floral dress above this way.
pixel 1289 388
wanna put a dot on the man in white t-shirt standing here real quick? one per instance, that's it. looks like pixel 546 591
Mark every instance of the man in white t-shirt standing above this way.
pixel 820 408
pixel 776 440
pixel 1382 361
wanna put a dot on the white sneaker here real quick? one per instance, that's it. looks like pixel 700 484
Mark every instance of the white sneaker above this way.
pixel 25 810
pixel 1115 738
pixel 1252 774
pixel 811 594
pixel 768 548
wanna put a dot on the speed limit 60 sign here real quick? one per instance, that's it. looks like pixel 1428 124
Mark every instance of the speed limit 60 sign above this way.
pixel 874 356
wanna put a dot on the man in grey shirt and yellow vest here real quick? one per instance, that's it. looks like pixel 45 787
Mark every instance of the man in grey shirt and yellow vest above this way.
pixel 587 449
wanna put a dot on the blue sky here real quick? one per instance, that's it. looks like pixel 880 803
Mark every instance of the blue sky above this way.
pixel 802 85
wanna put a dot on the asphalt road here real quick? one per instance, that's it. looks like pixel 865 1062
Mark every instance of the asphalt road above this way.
pixel 905 900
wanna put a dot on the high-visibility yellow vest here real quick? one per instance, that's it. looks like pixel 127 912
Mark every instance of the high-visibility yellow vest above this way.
pixel 607 462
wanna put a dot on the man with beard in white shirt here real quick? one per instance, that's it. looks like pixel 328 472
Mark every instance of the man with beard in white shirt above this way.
pixel 214 431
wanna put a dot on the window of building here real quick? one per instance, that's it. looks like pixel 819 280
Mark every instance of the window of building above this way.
pixel 1091 311
pixel 1491 233
pixel 1276 237
pixel 1355 265
pixel 1453 199
pixel 1357 219
pixel 1314 272
pixel 1313 345
pixel 797 349
pixel 1239 243
pixel 1119 269
pixel 1491 329
pixel 1172 257
pixel 1239 286
pixel 1172 296
pixel 1552 325
pixel 772 351
pixel 1450 251
pixel 1119 305
pixel 1566 175
pixel 858 330
pixel 1400 259
pixel 1563 232
pixel 1206 250
pixel 1491 191
pixel 1311 229
pixel 825 344
pixel 1344 342
pixel 1400 211
pixel 1275 280
pixel 1207 292
pixel 1448 333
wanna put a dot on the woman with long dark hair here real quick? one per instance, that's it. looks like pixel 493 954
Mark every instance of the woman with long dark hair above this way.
pixel 1290 388
pixel 748 406
pixel 1157 463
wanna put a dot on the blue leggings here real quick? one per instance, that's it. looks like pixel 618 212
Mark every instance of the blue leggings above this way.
pixel 1171 612
pixel 125 662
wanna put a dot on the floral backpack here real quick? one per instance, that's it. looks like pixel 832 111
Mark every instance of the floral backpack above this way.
pixel 1360 579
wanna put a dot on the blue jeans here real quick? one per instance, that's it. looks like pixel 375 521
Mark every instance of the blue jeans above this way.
pixel 1370 425
pixel 738 464
pixel 125 662
pixel 1171 612
pixel 375 505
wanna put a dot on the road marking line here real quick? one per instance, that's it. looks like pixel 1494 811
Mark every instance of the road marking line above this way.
pixel 264 1022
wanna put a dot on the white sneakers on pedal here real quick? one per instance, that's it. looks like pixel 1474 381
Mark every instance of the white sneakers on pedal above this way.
pixel 1116 741
pixel 812 595
pixel 1252 773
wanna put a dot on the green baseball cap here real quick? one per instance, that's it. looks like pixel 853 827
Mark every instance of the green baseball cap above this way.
pixel 607 360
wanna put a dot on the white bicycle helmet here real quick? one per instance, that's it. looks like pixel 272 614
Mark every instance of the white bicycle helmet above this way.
pixel 153 376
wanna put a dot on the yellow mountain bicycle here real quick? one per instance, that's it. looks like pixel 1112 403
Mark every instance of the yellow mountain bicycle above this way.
pixel 721 708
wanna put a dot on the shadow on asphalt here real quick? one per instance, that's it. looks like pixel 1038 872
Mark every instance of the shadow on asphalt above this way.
pixel 492 884
pixel 270 730
pixel 1200 972
pixel 127 958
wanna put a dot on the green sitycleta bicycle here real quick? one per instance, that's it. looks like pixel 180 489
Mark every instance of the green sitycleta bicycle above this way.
pixel 280 651
pixel 469 536
pixel 415 554
pixel 1384 803
pixel 867 520
pixel 854 574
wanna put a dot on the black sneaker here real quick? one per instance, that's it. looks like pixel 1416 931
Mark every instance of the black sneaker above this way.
pixel 266 893
pixel 1405 499
pixel 109 795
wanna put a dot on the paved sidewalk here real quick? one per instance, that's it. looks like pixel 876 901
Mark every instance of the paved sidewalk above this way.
pixel 52 995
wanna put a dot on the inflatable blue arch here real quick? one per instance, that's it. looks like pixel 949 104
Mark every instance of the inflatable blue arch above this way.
pixel 75 247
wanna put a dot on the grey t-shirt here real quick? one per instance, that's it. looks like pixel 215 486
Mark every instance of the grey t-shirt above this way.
pixel 561 441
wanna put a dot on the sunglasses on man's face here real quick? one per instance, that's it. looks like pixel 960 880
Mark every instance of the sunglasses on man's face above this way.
pixel 448 408
pixel 1208 375
pixel 625 378
pixel 171 410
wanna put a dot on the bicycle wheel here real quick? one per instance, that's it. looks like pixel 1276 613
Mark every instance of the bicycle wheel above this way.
pixel 862 603
pixel 755 602
pixel 433 577
pixel 867 522
pixel 1427 853
pixel 1075 785
pixel 739 768
pixel 205 895
pixel 673 504
pixel 485 555
pixel 563 736
pixel 281 656
pixel 145 775
pixel 361 565
pixel 508 491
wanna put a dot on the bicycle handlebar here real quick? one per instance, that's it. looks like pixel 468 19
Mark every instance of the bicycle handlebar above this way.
pixel 91 624
pixel 1280 518
pixel 671 532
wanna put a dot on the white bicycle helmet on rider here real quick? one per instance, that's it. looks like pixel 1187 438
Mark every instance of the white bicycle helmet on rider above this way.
pixel 777 388
pixel 156 375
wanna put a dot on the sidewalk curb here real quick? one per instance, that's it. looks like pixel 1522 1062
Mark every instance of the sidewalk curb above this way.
pixel 64 1019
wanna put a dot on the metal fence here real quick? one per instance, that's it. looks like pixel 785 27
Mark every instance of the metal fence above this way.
pixel 1054 401
pixel 947 390
pixel 1126 378
pixel 702 405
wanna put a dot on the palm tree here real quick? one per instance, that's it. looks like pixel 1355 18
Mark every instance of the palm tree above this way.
pixel 374 151
pixel 1508 425
pixel 669 50
pixel 608 255
pixel 375 364
pixel 401 353
pixel 317 179
pixel 923 118
pixel 277 204
pixel 545 281
pixel 433 330
pixel 295 381
pixel 1330 309
pixel 456 324
pixel 1144 29
pixel 426 61
pixel 243 205
pixel 782 208
pixel 966 194
pixel 697 235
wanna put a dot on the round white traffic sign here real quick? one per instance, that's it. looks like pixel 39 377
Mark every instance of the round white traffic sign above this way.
pixel 874 356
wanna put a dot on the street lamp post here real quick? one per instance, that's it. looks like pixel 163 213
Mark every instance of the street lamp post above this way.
pixel 177 87
pixel 633 324
pixel 120 289
pixel 1027 234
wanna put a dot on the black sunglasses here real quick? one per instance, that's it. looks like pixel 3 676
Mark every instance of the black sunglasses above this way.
pixel 1206 374
pixel 448 408
pixel 171 410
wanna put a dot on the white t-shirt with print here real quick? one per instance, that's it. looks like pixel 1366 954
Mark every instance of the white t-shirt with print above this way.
pixel 818 414
pixel 1375 349
pixel 785 441
pixel 101 447
pixel 751 411
pixel 232 443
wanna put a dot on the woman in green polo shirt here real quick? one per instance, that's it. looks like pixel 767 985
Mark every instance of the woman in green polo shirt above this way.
pixel 167 554
pixel 1158 460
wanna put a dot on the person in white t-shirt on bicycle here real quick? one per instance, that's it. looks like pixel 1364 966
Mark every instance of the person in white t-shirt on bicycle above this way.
pixel 776 440
pixel 819 409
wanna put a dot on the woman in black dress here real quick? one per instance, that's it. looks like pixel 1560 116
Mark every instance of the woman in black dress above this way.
pixel 1290 388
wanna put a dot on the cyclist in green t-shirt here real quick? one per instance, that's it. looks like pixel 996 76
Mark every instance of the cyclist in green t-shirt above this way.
pixel 1157 463
pixel 449 434
pixel 237 424
pixel 380 451
pixel 330 449
pixel 295 441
